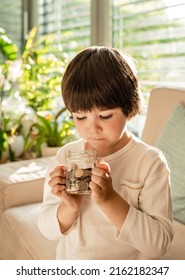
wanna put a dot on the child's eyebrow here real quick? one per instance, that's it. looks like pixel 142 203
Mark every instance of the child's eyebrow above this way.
pixel 99 110
pixel 79 112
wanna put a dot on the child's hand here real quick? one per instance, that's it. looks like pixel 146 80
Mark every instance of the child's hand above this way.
pixel 101 183
pixel 58 184
pixel 57 180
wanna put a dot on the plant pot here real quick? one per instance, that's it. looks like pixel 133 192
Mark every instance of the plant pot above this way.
pixel 4 157
pixel 49 151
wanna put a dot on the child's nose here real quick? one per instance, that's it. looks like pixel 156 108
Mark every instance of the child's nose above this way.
pixel 95 126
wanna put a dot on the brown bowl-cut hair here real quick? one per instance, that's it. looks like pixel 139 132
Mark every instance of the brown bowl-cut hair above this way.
pixel 101 77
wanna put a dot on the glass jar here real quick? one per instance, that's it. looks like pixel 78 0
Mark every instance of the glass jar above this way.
pixel 79 165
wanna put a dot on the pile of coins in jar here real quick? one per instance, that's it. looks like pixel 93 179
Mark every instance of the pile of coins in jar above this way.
pixel 79 166
pixel 78 180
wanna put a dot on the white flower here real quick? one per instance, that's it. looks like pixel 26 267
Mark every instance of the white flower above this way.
pixel 14 105
pixel 14 70
pixel 7 85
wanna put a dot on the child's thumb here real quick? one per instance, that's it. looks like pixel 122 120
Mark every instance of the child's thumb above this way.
pixel 60 167
pixel 104 165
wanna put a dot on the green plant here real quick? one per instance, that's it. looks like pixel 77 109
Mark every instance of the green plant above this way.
pixel 9 53
pixel 51 131
pixel 43 64
pixel 3 142
pixel 35 76
pixel 8 49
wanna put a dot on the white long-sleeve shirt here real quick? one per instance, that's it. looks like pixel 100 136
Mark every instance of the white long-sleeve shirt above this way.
pixel 141 176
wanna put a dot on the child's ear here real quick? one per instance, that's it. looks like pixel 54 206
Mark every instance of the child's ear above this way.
pixel 129 118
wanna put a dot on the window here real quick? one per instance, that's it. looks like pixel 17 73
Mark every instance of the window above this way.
pixel 153 32
pixel 69 19
pixel 11 20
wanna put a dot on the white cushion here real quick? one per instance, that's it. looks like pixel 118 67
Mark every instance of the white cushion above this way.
pixel 22 182
pixel 171 142
pixel 21 236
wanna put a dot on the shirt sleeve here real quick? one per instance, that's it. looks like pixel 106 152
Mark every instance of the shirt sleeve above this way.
pixel 149 227
pixel 48 223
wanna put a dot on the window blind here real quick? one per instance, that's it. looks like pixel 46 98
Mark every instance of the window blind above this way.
pixel 11 20
pixel 70 20
pixel 153 32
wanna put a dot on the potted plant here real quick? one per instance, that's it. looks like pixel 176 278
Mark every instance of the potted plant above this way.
pixel 8 76
pixel 49 133
pixel 40 68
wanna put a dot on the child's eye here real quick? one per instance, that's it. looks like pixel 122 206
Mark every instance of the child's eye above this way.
pixel 80 118
pixel 106 117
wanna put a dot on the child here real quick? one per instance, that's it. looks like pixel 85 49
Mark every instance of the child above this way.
pixel 129 213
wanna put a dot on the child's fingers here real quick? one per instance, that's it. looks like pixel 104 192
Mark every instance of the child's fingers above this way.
pixel 60 167
pixel 104 165
pixel 57 190
pixel 57 180
pixel 58 171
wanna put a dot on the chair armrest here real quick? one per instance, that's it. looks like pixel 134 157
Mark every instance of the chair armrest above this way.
pixel 161 104
pixel 22 182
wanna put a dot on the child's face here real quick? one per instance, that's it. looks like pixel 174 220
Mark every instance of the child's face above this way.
pixel 104 130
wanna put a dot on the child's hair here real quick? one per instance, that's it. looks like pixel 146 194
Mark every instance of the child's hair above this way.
pixel 101 77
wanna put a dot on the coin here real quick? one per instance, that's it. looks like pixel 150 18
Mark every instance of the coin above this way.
pixel 83 186
pixel 78 173
pixel 86 173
